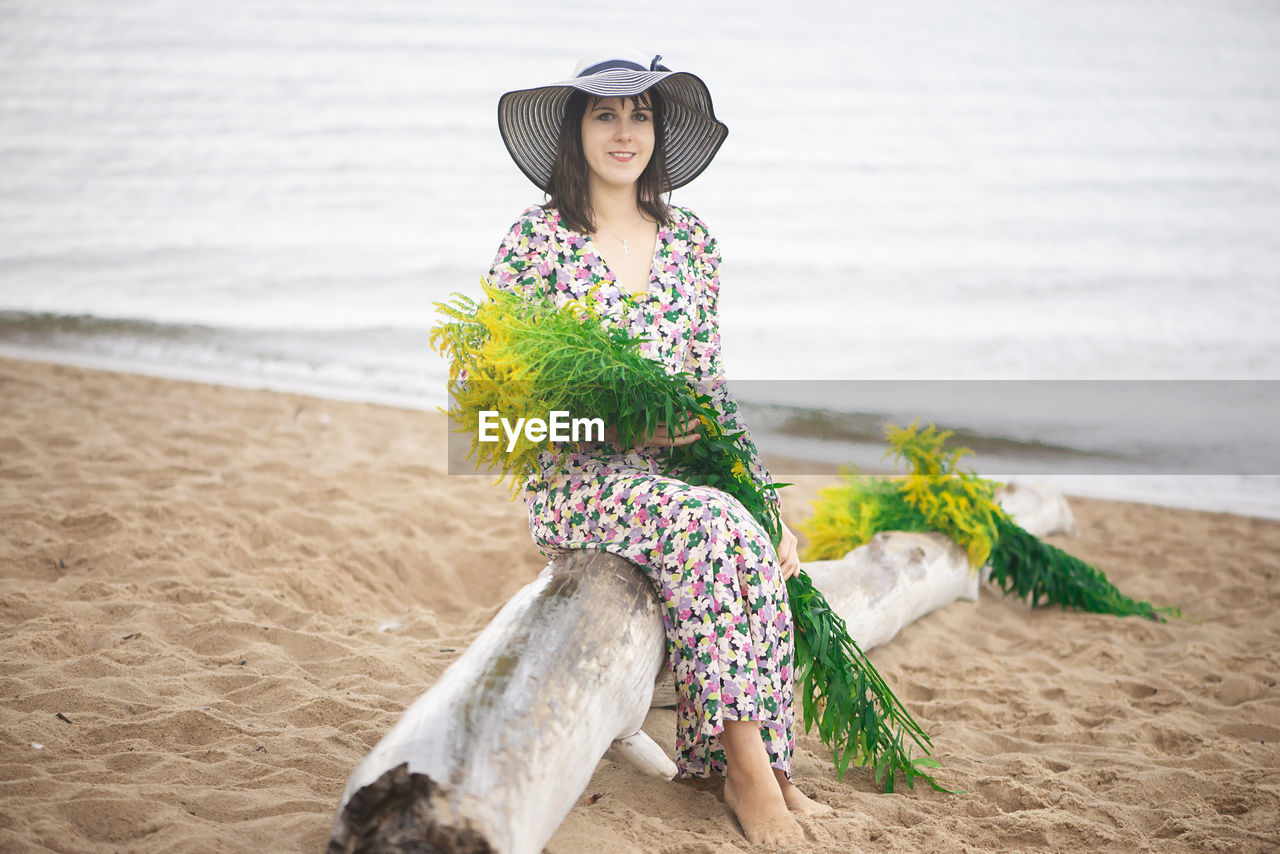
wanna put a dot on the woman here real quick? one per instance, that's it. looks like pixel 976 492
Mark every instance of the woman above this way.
pixel 605 146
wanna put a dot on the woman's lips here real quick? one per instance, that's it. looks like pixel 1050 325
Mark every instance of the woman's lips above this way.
pixel 622 155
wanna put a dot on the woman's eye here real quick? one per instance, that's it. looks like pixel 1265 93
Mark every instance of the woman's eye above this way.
pixel 604 117
pixel 642 117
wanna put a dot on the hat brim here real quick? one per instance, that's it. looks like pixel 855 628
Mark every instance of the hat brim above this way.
pixel 530 119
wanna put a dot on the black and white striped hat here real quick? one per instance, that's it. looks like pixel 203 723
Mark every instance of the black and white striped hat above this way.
pixel 530 118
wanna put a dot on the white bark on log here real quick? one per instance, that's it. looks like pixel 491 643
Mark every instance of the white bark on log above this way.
pixel 645 755
pixel 494 755
pixel 893 580
pixel 1040 509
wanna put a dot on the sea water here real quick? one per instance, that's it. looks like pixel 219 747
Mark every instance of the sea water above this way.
pixel 277 193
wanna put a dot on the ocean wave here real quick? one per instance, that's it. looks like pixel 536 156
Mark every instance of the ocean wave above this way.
pixel 380 364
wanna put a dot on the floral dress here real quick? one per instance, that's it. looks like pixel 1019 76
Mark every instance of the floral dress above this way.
pixel 728 626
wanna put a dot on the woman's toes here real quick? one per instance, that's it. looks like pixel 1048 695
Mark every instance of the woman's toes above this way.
pixel 801 804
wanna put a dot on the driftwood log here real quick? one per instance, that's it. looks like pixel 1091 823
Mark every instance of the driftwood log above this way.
pixel 493 756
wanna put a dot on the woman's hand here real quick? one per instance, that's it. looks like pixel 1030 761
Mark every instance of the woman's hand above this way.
pixel 788 554
pixel 664 437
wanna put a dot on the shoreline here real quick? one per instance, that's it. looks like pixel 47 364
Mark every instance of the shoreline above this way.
pixel 229 595
pixel 1255 498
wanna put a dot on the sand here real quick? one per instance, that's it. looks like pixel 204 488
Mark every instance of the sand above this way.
pixel 195 582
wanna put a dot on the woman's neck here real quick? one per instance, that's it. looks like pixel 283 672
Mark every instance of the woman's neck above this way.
pixel 615 206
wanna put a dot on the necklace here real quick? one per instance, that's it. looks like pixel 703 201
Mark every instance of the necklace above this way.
pixel 626 250
pixel 626 246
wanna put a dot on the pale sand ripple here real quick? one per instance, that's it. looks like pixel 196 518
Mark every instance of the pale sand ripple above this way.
pixel 195 577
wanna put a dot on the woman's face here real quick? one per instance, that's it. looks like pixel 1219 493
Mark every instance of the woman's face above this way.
pixel 617 139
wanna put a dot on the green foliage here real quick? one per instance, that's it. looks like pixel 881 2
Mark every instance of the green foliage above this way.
pixel 1043 574
pixel 958 503
pixel 849 514
pixel 844 696
pixel 936 495
pixel 526 358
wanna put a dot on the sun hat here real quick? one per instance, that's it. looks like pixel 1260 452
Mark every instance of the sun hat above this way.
pixel 530 119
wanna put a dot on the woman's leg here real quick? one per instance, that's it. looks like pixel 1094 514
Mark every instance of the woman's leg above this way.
pixel 761 796
pixel 751 789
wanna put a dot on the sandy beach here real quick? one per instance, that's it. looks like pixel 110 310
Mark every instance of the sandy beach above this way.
pixel 214 601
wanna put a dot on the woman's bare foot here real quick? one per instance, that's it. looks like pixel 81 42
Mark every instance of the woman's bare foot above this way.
pixel 761 810
pixel 797 801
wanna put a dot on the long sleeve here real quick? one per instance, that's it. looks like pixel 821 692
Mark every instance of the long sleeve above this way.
pixel 521 263
pixel 703 359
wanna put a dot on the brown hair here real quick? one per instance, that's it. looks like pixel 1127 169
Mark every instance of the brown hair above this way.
pixel 569 191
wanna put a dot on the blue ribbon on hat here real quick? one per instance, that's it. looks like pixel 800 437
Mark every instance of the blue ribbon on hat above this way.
pixel 623 64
